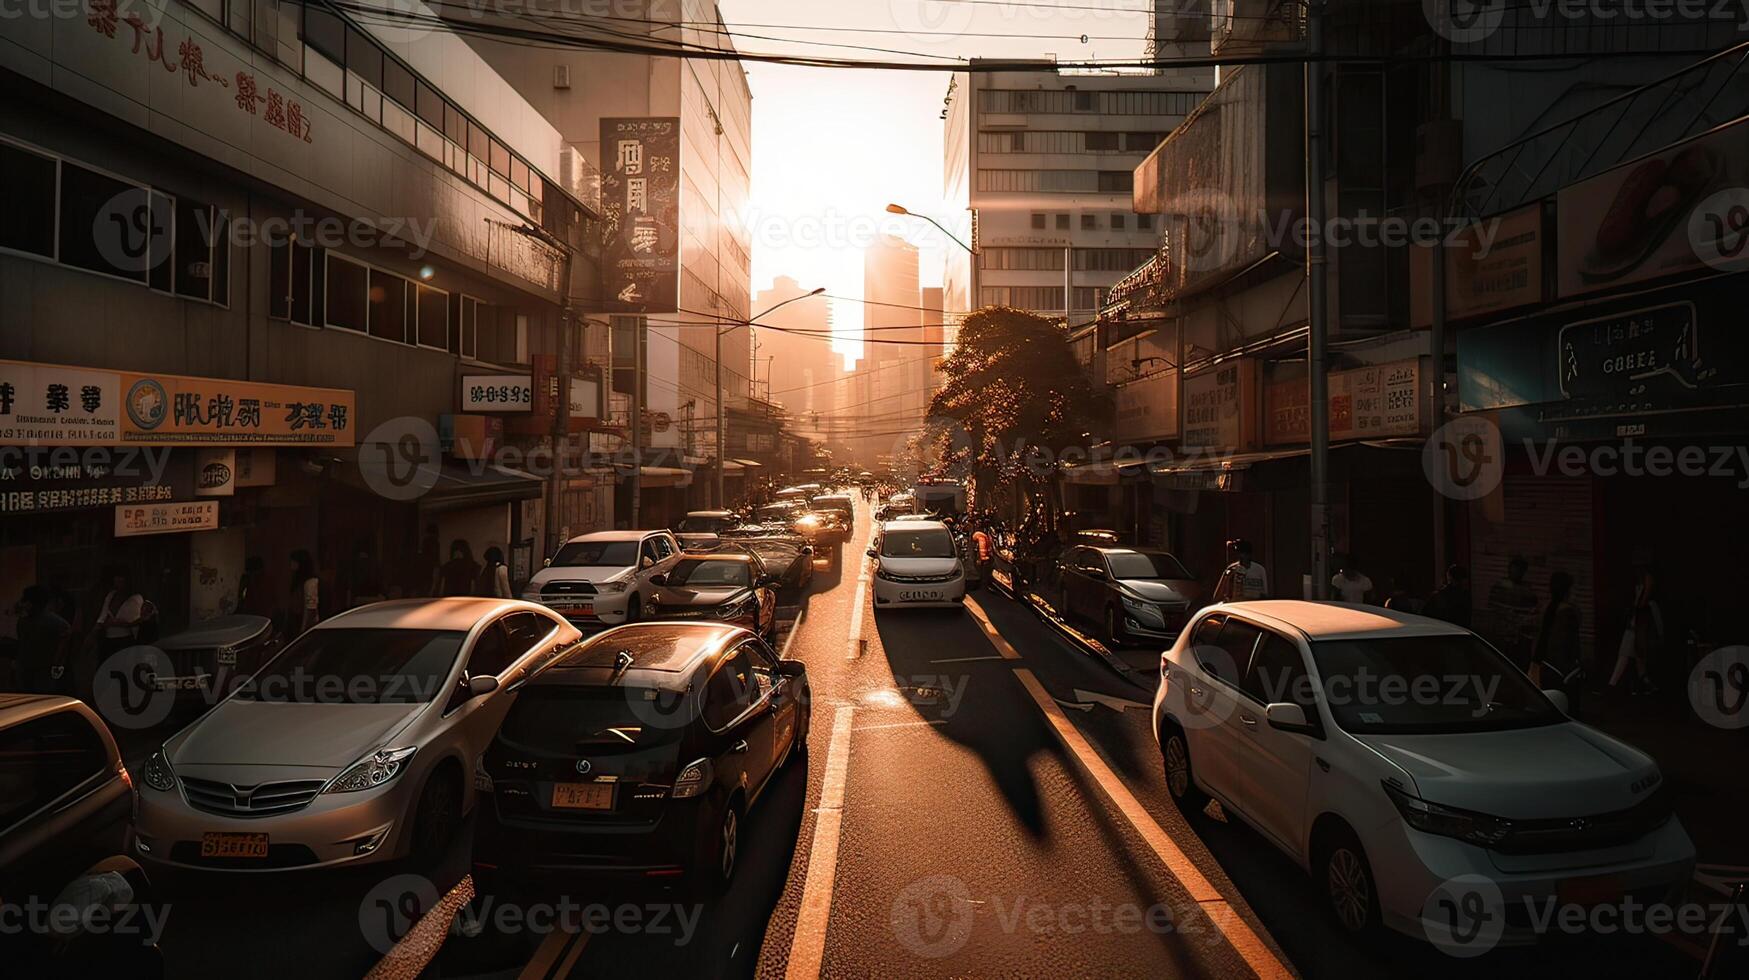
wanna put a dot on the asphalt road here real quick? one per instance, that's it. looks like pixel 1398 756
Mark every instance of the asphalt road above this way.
pixel 971 805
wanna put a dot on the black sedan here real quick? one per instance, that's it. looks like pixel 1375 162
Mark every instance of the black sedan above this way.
pixel 789 559
pixel 639 754
pixel 727 586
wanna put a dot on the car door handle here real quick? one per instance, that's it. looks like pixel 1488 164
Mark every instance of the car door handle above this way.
pixel 740 748
pixel 1247 721
pixel 1323 763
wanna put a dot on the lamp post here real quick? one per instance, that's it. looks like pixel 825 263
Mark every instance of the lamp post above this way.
pixel 900 209
pixel 722 441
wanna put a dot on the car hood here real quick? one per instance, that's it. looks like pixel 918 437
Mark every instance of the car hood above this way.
pixel 1163 590
pixel 579 573
pixel 919 566
pixel 267 733
pixel 680 596
pixel 1531 773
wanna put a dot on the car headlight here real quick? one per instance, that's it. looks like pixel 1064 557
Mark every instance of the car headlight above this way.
pixel 156 773
pixel 612 587
pixel 693 780
pixel 1142 611
pixel 735 607
pixel 372 772
pixel 1447 821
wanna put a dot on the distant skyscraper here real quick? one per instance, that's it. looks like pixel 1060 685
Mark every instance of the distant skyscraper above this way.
pixel 797 370
pixel 890 390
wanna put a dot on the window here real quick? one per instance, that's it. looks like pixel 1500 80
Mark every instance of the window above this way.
pixel 325 32
pixel 1038 220
pixel 398 83
pixel 526 630
pixel 348 294
pixel 730 691
pixel 388 306
pixel 1116 180
pixel 1101 142
pixel 1117 221
pixel 1062 222
pixel 113 227
pixel 27 222
pixel 463 311
pixel 493 652
pixel 500 159
pixel 1085 101
pixel 763 666
pixel 202 252
pixel 1230 655
pixel 43 759
pixel 1089 222
pixel 1144 222
pixel 433 318
pixel 1278 673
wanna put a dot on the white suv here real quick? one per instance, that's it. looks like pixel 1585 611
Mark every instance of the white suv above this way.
pixel 917 566
pixel 603 579
pixel 1417 774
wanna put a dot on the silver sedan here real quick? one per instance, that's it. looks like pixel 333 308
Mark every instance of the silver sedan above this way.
pixel 357 743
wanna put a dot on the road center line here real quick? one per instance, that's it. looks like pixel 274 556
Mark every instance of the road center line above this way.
pixel 808 949
pixel 996 639
pixel 1239 935
pixel 555 956
pixel 857 642
pixel 420 945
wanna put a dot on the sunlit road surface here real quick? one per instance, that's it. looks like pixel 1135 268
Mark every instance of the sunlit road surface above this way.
pixel 982 797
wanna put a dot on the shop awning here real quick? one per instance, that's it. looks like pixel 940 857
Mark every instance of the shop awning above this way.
pixel 663 476
pixel 751 464
pixel 459 485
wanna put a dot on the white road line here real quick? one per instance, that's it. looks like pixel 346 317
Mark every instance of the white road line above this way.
pixel 1245 941
pixel 901 724
pixel 794 628
pixel 968 660
pixel 996 639
pixel 808 948
pixel 857 642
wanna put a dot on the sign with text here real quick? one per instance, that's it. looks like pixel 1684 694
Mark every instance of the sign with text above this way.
pixel 134 520
pixel 640 203
pixel 1493 265
pixel 1618 356
pixel 41 479
pixel 52 405
pixel 1365 403
pixel 1220 407
pixel 215 472
pixel 497 393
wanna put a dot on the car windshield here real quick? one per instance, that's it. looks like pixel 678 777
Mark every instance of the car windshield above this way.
pixel 705 525
pixel 358 666
pixel 597 554
pixel 1145 564
pixel 837 505
pixel 775 553
pixel 562 719
pixel 701 573
pixel 922 542
pixel 1417 685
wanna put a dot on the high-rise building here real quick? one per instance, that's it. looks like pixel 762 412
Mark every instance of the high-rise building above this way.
pixel 1042 163
pixel 796 371
pixel 890 387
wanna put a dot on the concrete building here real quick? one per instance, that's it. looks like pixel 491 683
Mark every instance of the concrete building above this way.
pixel 574 90
pixel 1041 163
pixel 797 372
pixel 889 387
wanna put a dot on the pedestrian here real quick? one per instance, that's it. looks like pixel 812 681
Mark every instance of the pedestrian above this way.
pixel 252 597
pixel 1643 636
pixel 1245 578
pixel 1556 664
pixel 1400 598
pixel 1452 602
pixel 121 616
pixel 43 644
pixel 457 576
pixel 305 608
pixel 495 576
pixel 1512 611
pixel 363 583
pixel 1350 583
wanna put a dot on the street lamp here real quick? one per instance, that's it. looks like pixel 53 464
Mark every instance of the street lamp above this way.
pixel 900 209
pixel 722 441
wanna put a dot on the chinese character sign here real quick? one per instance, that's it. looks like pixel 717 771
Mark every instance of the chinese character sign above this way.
pixel 640 198
pixel 47 404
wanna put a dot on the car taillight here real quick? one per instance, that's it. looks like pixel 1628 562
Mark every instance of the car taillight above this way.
pixel 693 780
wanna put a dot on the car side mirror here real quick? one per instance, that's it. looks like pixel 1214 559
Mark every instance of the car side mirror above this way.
pixel 484 684
pixel 658 580
pixel 1098 573
pixel 807 549
pixel 872 553
pixel 1560 700
pixel 1287 717
pixel 792 668
pixel 546 563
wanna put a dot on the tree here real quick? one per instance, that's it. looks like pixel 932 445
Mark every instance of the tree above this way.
pixel 1015 399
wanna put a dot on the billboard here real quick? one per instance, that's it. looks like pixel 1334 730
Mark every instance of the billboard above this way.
pixel 640 202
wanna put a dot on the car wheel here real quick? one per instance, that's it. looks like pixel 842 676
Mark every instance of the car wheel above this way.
pixel 722 852
pixel 804 723
pixel 1180 777
pixel 1344 875
pixel 438 816
pixel 634 609
pixel 1114 635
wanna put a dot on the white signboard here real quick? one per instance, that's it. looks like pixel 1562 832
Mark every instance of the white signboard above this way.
pixel 497 393
pixel 215 472
pixel 585 399
pixel 45 404
pixel 132 520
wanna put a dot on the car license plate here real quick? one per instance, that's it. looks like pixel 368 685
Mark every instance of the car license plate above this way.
pixel 583 796
pixel 920 597
pixel 227 658
pixel 217 845
pixel 190 682
pixel 1590 891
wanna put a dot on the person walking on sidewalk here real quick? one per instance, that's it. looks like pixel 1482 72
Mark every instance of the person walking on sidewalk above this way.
pixel 1643 636
pixel 1245 578
pixel 495 576
pixel 1556 664
pixel 1511 610
pixel 1452 602
pixel 458 575
pixel 305 608
pixel 1350 583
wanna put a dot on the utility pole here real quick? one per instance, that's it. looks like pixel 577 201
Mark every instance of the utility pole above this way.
pixel 1317 273
pixel 637 421
pixel 717 491
pixel 1068 287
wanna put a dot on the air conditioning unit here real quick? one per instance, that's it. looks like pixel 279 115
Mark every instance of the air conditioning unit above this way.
pixel 561 75
pixel 1439 154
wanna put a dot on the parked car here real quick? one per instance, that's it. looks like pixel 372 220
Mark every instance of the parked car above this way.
pixel 790 559
pixel 209 659
pixel 1395 756
pixel 604 578
pixel 704 527
pixel 1132 593
pixel 726 586
pixel 65 802
pixel 917 565
pixel 355 744
pixel 640 753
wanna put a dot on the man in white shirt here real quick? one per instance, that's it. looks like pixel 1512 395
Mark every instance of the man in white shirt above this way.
pixel 1350 584
pixel 1244 579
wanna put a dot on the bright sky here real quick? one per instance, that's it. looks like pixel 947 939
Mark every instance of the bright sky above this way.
pixel 832 147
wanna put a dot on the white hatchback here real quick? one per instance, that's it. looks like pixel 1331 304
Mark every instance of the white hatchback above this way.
pixel 917 565
pixel 1419 776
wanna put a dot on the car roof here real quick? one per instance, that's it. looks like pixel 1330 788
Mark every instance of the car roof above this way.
pixel 1340 620
pixel 743 557
pixel 710 513
pixel 1124 549
pixel 662 655
pixel 457 613
pixel 913 524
